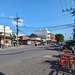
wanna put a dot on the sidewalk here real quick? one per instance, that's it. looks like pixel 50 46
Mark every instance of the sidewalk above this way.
pixel 21 46
pixel 14 50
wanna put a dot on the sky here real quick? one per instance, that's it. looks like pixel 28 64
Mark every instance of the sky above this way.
pixel 37 14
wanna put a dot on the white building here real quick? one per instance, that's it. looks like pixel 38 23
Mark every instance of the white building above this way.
pixel 8 31
pixel 43 32
pixel 8 37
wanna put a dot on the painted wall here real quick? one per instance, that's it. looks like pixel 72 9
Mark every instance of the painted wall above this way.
pixel 7 30
pixel 6 43
pixel 52 36
pixel 43 32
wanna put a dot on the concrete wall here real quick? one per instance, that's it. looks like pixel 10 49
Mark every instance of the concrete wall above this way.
pixel 29 42
pixel 52 36
pixel 43 32
pixel 7 30
pixel 9 40
pixel 14 35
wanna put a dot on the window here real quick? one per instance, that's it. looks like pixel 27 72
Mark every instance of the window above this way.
pixel 52 38
pixel 48 33
pixel 48 37
pixel 7 42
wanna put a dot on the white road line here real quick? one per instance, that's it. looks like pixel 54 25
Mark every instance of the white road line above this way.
pixel 47 56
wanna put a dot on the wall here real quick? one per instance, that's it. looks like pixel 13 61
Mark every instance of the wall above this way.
pixel 28 42
pixel 43 32
pixel 25 37
pixel 0 42
pixel 9 40
pixel 14 35
pixel 74 34
pixel 7 29
pixel 52 36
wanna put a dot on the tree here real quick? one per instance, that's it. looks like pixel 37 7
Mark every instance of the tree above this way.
pixel 59 37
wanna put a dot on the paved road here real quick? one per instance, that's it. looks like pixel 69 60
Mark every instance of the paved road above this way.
pixel 30 60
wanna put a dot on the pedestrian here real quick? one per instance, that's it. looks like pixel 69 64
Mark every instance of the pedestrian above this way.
pixel 70 47
pixel 61 47
pixel 73 50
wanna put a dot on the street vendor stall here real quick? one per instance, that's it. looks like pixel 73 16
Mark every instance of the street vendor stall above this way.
pixel 66 59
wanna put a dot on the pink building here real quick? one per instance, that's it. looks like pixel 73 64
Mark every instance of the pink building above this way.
pixel 24 37
pixel 52 37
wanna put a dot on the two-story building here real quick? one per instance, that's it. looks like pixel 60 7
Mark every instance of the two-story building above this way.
pixel 43 32
pixel 52 37
pixel 8 36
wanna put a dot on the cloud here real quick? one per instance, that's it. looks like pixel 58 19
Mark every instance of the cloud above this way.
pixel 19 23
pixel 2 14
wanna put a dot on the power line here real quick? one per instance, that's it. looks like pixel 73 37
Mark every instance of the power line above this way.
pixel 70 4
pixel 66 4
pixel 6 18
pixel 49 26
pixel 22 32
pixel 59 28
pixel 68 17
pixel 48 19
pixel 63 10
pixel 61 4
pixel 40 20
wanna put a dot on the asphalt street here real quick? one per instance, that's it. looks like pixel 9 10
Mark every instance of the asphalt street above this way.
pixel 31 60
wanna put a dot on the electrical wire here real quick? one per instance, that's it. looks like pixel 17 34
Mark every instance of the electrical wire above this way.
pixel 6 18
pixel 66 3
pixel 59 28
pixel 61 4
pixel 70 4
pixel 49 26
pixel 40 20
pixel 55 28
pixel 68 17
pixel 22 31
pixel 66 9
pixel 62 9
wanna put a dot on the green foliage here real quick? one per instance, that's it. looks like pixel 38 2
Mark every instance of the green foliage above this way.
pixel 59 37
pixel 50 41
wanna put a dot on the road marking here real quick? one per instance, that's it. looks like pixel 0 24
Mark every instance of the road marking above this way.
pixel 47 56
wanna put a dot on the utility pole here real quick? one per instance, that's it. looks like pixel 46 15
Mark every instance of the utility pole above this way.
pixel 70 38
pixel 16 19
pixel 74 22
pixel 72 10
pixel 4 36
pixel 17 29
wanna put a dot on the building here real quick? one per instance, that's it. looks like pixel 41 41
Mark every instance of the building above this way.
pixel 30 40
pixel 52 37
pixel 43 32
pixel 15 36
pixel 8 36
pixel 36 39
pixel 8 31
pixel 24 40
pixel 24 37
pixel 74 33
